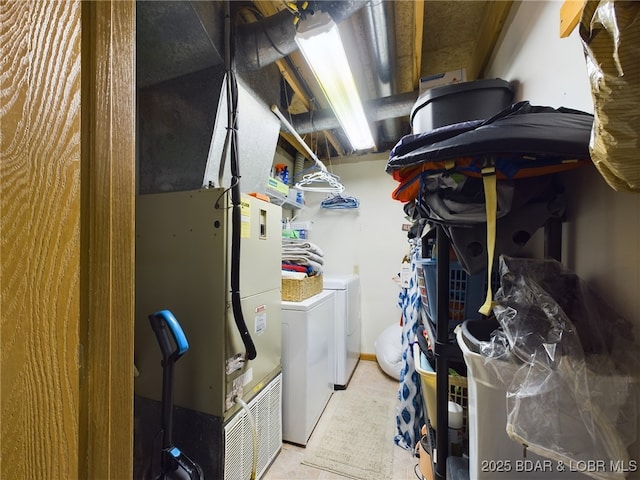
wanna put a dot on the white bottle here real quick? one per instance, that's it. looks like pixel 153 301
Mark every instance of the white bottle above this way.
pixel 456 440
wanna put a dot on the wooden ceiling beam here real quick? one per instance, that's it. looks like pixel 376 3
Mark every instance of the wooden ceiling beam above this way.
pixel 289 138
pixel 418 32
pixel 292 79
pixel 570 14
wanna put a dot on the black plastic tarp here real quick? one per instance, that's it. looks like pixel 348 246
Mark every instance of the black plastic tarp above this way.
pixel 521 130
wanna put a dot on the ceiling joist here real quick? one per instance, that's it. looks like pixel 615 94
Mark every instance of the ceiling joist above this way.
pixel 418 30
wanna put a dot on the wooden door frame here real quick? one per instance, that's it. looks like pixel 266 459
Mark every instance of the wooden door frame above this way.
pixel 107 239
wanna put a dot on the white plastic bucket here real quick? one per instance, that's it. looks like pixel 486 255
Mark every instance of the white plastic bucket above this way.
pixel 492 454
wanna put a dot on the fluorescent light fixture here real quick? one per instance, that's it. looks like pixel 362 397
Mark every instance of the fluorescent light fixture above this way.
pixel 319 41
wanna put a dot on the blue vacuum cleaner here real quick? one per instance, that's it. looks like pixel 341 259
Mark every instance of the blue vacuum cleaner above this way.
pixel 168 462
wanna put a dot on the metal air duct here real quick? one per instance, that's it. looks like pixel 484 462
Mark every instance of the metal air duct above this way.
pixel 379 25
pixel 381 109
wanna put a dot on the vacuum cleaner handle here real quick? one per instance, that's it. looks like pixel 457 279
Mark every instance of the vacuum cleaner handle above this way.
pixel 185 465
pixel 158 321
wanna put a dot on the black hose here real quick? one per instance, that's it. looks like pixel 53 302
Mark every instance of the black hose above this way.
pixel 236 217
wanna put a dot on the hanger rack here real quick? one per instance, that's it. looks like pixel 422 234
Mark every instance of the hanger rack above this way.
pixel 340 202
pixel 321 181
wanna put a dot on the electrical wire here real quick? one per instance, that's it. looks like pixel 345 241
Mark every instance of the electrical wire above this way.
pixel 217 202
pixel 236 214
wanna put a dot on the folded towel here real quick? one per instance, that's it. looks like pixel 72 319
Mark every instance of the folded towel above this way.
pixel 293 257
pixel 295 251
pixel 295 242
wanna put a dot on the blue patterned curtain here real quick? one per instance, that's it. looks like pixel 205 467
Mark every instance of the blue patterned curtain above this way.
pixel 410 414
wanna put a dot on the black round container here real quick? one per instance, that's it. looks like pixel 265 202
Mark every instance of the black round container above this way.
pixel 476 331
pixel 460 102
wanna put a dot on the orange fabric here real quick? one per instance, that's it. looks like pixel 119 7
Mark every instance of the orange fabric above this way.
pixel 409 177
pixel 405 192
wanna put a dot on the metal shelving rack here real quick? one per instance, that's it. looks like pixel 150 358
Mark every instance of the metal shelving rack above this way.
pixel 444 350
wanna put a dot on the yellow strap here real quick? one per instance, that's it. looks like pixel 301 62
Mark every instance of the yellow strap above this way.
pixel 491 206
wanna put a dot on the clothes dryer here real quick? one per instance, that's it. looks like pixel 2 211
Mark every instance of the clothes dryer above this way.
pixel 347 325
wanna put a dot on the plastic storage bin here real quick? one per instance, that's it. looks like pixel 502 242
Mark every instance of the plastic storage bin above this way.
pixel 460 102
pixel 492 454
pixel 466 292
pixel 457 391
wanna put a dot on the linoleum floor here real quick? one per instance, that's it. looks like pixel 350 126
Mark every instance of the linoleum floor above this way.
pixel 288 464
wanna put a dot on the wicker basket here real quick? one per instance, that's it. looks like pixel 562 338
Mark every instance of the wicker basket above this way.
pixel 298 290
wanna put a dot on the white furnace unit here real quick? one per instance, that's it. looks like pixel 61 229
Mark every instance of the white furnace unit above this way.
pixel 183 252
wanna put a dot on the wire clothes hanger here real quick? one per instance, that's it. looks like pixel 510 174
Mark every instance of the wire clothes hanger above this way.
pixel 340 202
pixel 321 181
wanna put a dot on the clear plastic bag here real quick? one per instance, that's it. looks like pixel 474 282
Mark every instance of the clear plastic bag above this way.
pixel 569 368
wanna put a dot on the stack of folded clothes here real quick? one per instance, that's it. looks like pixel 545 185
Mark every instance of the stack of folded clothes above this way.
pixel 301 257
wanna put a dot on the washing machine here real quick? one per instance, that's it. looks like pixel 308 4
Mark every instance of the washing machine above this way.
pixel 347 325
pixel 307 365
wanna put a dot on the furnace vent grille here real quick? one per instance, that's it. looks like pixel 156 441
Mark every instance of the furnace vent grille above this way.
pixel 266 408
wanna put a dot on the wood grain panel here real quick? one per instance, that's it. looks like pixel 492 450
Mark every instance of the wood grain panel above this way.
pixel 40 238
pixel 109 158
pixel 122 161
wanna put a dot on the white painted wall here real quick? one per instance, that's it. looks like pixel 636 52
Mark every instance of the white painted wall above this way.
pixel 368 241
pixel 601 241
pixel 547 69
